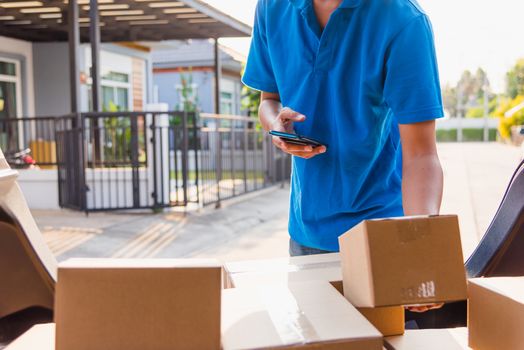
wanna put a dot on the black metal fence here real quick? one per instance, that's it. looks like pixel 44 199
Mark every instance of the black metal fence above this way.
pixel 137 160
pixel 38 134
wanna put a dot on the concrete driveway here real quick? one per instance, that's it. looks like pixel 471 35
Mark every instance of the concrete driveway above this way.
pixel 255 226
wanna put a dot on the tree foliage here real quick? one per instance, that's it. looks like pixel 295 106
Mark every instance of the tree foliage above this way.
pixel 515 80
pixel 506 123
pixel 250 100
pixel 468 95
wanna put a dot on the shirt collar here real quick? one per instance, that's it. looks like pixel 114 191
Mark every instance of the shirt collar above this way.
pixel 301 4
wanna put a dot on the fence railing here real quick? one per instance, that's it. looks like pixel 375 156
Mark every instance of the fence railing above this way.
pixel 236 157
pixel 38 134
pixel 134 160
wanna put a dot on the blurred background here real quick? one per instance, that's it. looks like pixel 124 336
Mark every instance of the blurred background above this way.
pixel 134 136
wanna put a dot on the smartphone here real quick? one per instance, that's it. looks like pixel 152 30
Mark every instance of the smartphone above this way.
pixel 296 139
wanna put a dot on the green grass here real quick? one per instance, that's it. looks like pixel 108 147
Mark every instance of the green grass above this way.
pixel 468 135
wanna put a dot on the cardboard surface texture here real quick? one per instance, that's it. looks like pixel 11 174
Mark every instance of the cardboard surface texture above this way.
pixel 321 267
pixel 22 245
pixel 430 339
pixel 388 320
pixel 307 314
pixel 109 304
pixel 496 313
pixel 39 337
pixel 404 261
pixel 325 267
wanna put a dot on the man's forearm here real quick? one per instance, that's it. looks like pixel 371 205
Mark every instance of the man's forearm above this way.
pixel 422 185
pixel 268 112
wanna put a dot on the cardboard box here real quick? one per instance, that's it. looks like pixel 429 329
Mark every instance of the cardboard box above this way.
pixel 39 337
pixel 312 315
pixel 389 320
pixel 324 267
pixel 404 261
pixel 496 313
pixel 430 339
pixel 109 304
pixel 32 282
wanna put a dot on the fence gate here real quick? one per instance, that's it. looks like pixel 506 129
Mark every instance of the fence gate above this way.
pixel 70 162
pixel 151 160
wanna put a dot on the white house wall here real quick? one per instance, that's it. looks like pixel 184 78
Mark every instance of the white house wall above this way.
pixel 19 49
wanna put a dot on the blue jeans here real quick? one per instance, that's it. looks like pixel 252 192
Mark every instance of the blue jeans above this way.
pixel 297 249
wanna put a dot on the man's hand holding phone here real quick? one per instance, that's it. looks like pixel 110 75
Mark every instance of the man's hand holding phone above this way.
pixel 284 123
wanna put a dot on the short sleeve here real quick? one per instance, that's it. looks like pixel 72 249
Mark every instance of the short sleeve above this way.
pixel 259 74
pixel 412 85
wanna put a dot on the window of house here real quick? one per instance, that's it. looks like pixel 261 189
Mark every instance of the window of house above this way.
pixel 10 99
pixel 227 103
pixel 116 90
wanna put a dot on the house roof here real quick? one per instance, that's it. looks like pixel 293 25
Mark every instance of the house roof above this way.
pixel 195 53
pixel 121 20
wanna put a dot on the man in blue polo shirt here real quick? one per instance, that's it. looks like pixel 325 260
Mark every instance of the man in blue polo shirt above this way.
pixel 361 76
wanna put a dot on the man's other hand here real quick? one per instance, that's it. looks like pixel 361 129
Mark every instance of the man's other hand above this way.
pixel 424 308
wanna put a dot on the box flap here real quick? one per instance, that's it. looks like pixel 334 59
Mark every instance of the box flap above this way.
pixel 357 266
pixel 7 179
pixel 78 263
pixel 411 218
pixel 429 339
pixel 41 337
pixel 510 287
pixel 332 274
pixel 297 263
pixel 3 161
pixel 301 313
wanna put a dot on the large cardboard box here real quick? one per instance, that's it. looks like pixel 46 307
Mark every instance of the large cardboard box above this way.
pixel 430 339
pixel 312 315
pixel 403 261
pixel 109 304
pixel 22 245
pixel 39 337
pixel 389 320
pixel 324 267
pixel 496 313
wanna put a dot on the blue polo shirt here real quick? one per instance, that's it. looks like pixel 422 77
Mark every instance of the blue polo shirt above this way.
pixel 373 67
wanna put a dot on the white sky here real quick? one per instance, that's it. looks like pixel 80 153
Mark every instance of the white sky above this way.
pixel 469 34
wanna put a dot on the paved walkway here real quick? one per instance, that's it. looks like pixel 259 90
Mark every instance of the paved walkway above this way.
pixel 255 226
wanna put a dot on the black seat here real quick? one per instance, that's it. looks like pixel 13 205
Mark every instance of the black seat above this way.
pixel 499 253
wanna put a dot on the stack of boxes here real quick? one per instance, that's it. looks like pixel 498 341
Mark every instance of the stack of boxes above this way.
pixel 404 262
pixel 352 300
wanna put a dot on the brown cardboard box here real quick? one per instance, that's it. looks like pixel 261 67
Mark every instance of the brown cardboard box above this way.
pixel 430 339
pixel 389 320
pixel 404 261
pixel 32 282
pixel 312 315
pixel 324 267
pixel 496 313
pixel 39 337
pixel 109 304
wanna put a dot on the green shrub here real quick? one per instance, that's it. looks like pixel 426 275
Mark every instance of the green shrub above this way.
pixel 468 135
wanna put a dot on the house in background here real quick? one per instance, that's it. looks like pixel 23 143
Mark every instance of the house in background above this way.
pixel 34 77
pixel 194 61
